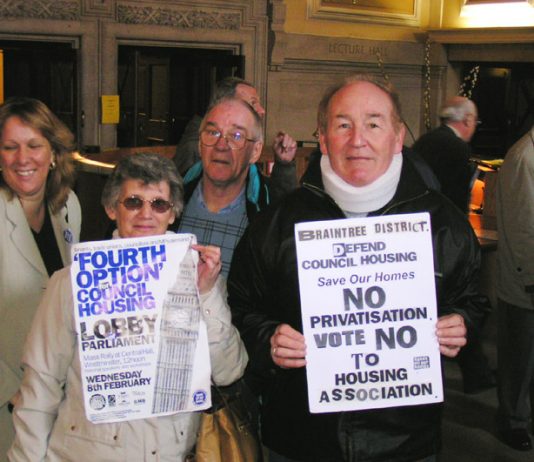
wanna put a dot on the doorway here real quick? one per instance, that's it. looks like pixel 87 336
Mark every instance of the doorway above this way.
pixel 47 71
pixel 504 95
pixel 161 89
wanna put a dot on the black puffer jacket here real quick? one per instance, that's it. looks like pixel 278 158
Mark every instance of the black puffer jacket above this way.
pixel 264 292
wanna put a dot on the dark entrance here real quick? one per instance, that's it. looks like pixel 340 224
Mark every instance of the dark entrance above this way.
pixel 47 71
pixel 504 95
pixel 161 88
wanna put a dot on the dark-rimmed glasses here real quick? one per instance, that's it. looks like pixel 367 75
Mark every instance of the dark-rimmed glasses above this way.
pixel 235 138
pixel 136 203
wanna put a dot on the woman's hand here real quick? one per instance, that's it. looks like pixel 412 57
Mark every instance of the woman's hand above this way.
pixel 209 266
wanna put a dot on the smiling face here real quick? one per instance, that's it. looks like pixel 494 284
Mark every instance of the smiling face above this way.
pixel 145 221
pixel 25 158
pixel 361 134
pixel 222 165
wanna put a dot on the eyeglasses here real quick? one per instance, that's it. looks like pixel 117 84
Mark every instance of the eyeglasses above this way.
pixel 136 203
pixel 476 120
pixel 234 138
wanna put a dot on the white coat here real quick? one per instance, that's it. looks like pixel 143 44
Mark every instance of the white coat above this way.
pixel 23 279
pixel 49 417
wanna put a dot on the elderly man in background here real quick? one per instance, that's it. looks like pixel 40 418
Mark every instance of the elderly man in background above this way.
pixel 283 175
pixel 225 190
pixel 515 292
pixel 362 173
pixel 447 151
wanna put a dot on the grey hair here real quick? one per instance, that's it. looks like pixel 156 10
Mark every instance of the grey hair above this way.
pixel 457 109
pixel 386 87
pixel 258 124
pixel 148 168
pixel 226 88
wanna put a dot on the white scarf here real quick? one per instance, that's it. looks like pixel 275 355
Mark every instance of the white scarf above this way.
pixel 361 200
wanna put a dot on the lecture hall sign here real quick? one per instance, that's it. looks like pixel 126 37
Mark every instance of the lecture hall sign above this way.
pixel 369 312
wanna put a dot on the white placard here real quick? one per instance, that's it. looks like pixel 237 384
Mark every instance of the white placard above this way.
pixel 369 312
pixel 143 344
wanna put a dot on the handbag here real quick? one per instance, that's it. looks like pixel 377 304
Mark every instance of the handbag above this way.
pixel 227 432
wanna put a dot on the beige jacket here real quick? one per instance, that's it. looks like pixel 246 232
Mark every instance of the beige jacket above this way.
pixel 23 278
pixel 515 224
pixel 49 418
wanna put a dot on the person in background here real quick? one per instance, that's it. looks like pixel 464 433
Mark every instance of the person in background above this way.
pixel 144 195
pixel 447 151
pixel 515 293
pixel 283 175
pixel 225 191
pixel 362 173
pixel 40 218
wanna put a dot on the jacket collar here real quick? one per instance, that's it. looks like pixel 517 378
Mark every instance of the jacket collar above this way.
pixel 254 185
pixel 21 236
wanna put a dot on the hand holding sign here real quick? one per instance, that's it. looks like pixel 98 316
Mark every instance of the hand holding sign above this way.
pixel 451 333
pixel 288 348
pixel 209 266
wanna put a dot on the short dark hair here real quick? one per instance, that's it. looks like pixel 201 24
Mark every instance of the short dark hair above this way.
pixel 226 87
pixel 149 168
pixel 39 117
pixel 388 88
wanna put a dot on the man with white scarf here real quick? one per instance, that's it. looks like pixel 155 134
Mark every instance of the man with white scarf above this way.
pixel 362 172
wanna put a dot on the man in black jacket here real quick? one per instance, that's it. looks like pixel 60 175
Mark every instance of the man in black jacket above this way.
pixel 361 173
pixel 447 151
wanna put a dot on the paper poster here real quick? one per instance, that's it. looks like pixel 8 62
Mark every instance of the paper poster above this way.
pixel 369 312
pixel 110 109
pixel 142 342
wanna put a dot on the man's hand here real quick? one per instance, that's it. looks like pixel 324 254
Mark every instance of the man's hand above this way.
pixel 284 148
pixel 451 333
pixel 288 348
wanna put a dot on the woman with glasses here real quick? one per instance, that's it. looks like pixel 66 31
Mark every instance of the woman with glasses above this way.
pixel 40 218
pixel 144 195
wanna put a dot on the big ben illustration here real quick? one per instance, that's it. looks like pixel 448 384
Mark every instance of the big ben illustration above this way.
pixel 178 341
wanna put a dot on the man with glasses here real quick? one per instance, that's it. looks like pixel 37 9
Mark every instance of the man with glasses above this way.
pixel 225 190
pixel 284 146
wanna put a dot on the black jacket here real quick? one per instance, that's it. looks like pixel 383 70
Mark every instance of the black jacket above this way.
pixel 264 292
pixel 448 156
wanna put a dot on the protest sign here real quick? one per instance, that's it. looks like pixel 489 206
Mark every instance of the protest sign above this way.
pixel 142 343
pixel 369 312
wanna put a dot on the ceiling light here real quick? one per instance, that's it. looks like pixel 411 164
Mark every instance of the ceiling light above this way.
pixel 494 13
